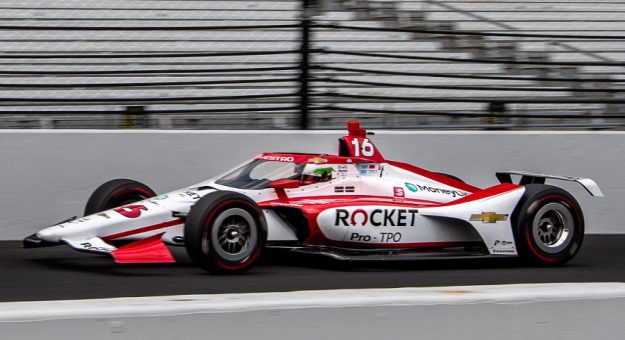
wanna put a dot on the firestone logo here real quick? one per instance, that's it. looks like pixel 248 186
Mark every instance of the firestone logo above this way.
pixel 376 218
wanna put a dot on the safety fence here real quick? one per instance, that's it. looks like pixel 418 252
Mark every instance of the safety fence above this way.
pixel 128 90
pixel 525 92
pixel 303 70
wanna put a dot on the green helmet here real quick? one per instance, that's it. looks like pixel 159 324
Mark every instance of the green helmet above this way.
pixel 313 173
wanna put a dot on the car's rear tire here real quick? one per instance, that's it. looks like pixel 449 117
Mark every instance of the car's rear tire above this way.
pixel 225 232
pixel 116 193
pixel 548 225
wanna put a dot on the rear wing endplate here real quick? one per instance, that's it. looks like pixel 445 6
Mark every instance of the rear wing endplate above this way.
pixel 532 178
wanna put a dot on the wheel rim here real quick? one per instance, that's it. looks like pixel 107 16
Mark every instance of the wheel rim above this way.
pixel 233 235
pixel 553 227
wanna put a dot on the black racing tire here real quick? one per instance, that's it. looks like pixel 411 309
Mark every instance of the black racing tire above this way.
pixel 116 193
pixel 548 225
pixel 225 233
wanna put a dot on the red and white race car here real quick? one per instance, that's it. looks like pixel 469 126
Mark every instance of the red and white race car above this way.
pixel 354 205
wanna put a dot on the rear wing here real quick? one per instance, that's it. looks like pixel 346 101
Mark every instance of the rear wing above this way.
pixel 533 178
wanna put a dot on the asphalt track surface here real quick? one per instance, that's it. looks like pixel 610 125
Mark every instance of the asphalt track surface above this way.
pixel 59 273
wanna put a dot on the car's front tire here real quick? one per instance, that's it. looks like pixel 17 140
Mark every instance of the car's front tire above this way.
pixel 225 232
pixel 548 225
pixel 116 193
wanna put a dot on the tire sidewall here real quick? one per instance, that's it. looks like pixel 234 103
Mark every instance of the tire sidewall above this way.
pixel 198 233
pixel 116 193
pixel 535 197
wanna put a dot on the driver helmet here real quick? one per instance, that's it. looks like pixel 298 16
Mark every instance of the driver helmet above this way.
pixel 315 173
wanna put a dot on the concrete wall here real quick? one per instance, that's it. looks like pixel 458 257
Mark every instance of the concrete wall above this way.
pixel 47 176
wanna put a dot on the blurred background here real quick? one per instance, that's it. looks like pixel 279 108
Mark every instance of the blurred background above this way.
pixel 312 64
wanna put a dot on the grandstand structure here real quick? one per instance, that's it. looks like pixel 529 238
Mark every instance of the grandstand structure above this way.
pixel 252 64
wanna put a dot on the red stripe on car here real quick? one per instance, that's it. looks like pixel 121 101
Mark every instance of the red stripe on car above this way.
pixel 434 176
pixel 486 193
pixel 144 229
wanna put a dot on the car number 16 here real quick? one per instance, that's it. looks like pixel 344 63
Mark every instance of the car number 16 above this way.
pixel 366 148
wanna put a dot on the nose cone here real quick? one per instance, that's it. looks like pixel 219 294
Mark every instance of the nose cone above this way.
pixel 43 238
pixel 50 234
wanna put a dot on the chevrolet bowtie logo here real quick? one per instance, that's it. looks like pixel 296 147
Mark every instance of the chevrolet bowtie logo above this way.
pixel 489 217
pixel 317 160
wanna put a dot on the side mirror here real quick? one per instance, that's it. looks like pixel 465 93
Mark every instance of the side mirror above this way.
pixel 285 184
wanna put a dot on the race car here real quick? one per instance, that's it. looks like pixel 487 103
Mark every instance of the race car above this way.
pixel 355 205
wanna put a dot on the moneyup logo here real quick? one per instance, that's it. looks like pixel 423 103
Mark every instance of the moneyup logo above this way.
pixel 425 188
pixel 411 187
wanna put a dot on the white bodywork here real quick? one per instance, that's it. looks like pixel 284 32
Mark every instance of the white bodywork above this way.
pixel 420 224
pixel 363 201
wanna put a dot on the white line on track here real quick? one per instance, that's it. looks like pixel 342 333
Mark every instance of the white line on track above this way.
pixel 363 298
